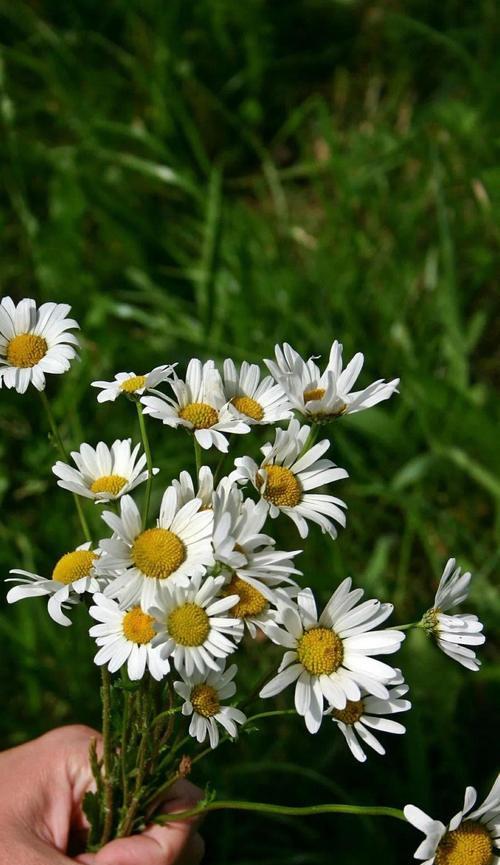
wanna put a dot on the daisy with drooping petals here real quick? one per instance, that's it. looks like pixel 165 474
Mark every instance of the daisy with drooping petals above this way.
pixel 362 716
pixel 191 622
pixel 331 657
pixel 34 341
pixel 130 384
pixel 454 634
pixel 140 561
pixel 199 406
pixel 73 574
pixel 471 837
pixel 203 696
pixel 322 397
pixel 125 636
pixel 286 477
pixel 259 402
pixel 103 473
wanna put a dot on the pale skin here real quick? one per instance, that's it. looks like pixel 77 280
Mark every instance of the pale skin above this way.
pixel 41 821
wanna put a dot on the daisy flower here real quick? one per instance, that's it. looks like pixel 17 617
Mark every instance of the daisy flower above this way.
pixel 199 406
pixel 331 656
pixel 140 561
pixel 259 402
pixel 471 837
pixel 131 384
pixel 73 574
pixel 192 622
pixel 286 477
pixel 361 716
pixel 125 636
pixel 102 473
pixel 34 342
pixel 325 396
pixel 454 634
pixel 203 696
pixel 185 488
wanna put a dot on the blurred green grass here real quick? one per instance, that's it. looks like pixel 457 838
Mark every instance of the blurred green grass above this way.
pixel 207 179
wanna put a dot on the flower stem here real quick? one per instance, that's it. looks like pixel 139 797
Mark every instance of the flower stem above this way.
pixel 407 627
pixel 149 462
pixel 107 755
pixel 284 810
pixel 197 454
pixel 311 438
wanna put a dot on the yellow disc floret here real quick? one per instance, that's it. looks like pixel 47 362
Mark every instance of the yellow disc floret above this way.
pixel 352 712
pixel 26 350
pixel 73 566
pixel 250 407
pixel 320 651
pixel 251 602
pixel 111 484
pixel 200 414
pixel 138 626
pixel 135 382
pixel 314 393
pixel 158 553
pixel 205 700
pixel 470 844
pixel 282 487
pixel 188 625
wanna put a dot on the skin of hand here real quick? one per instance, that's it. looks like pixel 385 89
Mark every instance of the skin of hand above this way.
pixel 41 787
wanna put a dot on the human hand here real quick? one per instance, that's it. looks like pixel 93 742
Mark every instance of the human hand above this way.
pixel 42 784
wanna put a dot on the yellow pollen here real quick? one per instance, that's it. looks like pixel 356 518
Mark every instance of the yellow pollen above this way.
pixel 26 350
pixel 314 393
pixel 470 844
pixel 130 385
pixel 282 488
pixel 138 626
pixel 200 414
pixel 320 651
pixel 352 712
pixel 158 553
pixel 251 602
pixel 111 484
pixel 73 566
pixel 250 407
pixel 205 700
pixel 188 625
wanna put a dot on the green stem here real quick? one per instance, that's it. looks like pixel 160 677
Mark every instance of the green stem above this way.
pixel 197 455
pixel 283 810
pixel 145 708
pixel 107 755
pixel 149 462
pixel 124 747
pixel 407 627
pixel 311 438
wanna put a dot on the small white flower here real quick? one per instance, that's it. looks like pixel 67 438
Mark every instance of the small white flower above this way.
pixel 331 657
pixel 471 837
pixel 130 383
pixel 199 406
pixel 324 396
pixel 102 473
pixel 73 574
pixel 364 715
pixel 454 634
pixel 34 342
pixel 259 402
pixel 286 477
pixel 203 696
pixel 125 636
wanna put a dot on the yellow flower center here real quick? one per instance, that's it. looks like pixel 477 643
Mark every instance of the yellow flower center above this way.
pixel 314 393
pixel 352 712
pixel 188 625
pixel 282 489
pixel 73 566
pixel 138 626
pixel 158 553
pixel 200 414
pixel 250 407
pixel 470 844
pixel 26 350
pixel 320 651
pixel 111 484
pixel 205 700
pixel 135 382
pixel 251 602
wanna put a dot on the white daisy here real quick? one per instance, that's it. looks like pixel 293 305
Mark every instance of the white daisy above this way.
pixel 259 402
pixel 331 657
pixel 366 712
pixel 140 561
pixel 184 487
pixel 203 696
pixel 199 406
pixel 324 396
pixel 454 634
pixel 102 473
pixel 34 342
pixel 286 476
pixel 191 622
pixel 125 636
pixel 471 837
pixel 131 384
pixel 73 574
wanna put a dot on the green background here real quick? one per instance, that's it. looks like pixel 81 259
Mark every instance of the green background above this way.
pixel 207 178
